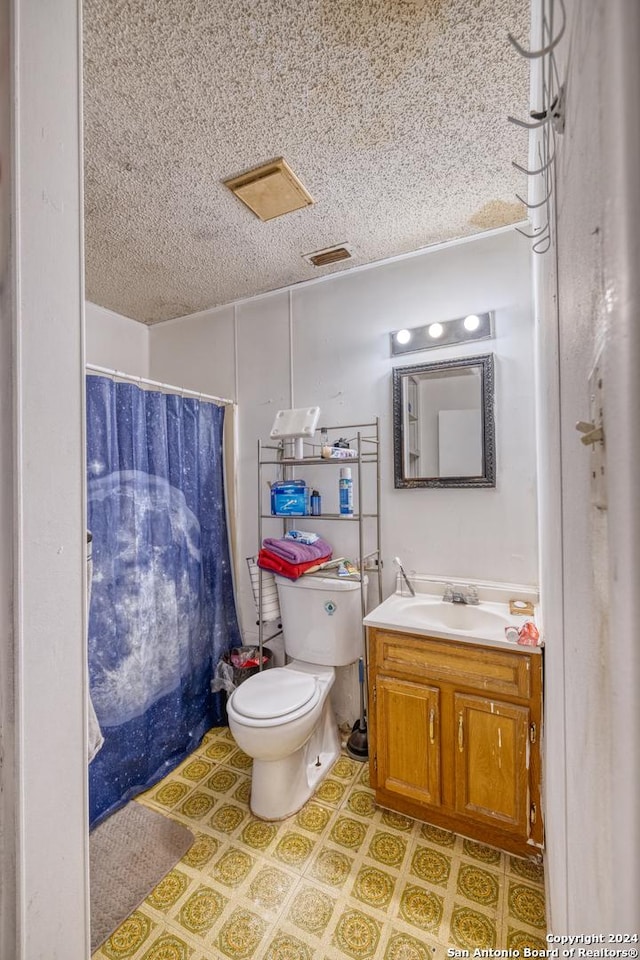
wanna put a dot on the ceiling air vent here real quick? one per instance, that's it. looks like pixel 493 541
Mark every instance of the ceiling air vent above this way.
pixel 270 190
pixel 322 258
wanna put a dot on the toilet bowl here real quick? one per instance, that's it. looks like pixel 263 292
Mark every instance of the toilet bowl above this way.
pixel 283 719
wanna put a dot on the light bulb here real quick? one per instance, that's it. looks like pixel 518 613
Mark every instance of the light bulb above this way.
pixel 403 336
pixel 436 330
pixel 471 322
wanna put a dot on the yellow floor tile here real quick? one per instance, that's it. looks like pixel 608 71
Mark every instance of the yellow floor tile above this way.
pixel 340 879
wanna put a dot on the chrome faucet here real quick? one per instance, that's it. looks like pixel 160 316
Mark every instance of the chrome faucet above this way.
pixel 469 594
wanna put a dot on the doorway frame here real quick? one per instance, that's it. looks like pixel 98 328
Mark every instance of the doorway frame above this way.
pixel 43 681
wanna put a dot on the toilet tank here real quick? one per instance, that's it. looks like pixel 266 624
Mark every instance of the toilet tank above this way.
pixel 321 619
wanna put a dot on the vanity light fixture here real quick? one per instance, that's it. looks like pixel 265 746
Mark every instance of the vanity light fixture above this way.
pixel 443 333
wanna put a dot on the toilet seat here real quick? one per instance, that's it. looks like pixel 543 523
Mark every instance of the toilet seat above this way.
pixel 279 694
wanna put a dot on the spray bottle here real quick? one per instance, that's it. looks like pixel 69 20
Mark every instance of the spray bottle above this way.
pixel 346 492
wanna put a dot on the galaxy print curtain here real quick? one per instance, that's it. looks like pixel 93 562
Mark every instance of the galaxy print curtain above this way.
pixel 162 609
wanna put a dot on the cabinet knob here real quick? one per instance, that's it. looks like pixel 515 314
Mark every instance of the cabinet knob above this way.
pixel 432 722
pixel 460 732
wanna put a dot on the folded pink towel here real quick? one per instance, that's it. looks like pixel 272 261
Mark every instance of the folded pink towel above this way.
pixel 294 552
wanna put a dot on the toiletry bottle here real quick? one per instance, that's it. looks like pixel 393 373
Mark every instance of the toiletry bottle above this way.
pixel 315 503
pixel 325 449
pixel 346 492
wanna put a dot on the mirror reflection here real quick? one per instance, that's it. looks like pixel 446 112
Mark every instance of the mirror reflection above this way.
pixel 443 423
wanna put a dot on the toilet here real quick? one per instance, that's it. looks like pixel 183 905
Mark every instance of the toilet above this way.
pixel 283 717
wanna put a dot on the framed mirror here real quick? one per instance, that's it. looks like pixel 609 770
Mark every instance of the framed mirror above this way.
pixel 443 424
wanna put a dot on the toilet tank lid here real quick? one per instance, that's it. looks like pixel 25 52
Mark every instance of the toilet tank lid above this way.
pixel 313 582
pixel 274 693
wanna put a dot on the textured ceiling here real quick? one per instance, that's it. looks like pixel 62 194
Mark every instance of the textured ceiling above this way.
pixel 391 112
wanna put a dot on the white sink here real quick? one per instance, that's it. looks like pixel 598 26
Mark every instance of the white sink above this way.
pixel 460 616
pixel 428 615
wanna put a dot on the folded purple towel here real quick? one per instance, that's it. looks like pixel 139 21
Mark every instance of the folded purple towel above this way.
pixel 294 552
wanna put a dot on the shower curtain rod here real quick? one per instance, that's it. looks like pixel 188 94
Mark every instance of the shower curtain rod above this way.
pixel 119 375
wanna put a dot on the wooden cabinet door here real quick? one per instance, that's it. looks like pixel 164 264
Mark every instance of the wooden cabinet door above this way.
pixel 491 766
pixel 408 748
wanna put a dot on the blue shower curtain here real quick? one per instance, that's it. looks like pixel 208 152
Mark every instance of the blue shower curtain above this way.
pixel 162 608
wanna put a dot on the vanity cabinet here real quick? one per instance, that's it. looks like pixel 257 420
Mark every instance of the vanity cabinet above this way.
pixel 454 735
pixel 408 762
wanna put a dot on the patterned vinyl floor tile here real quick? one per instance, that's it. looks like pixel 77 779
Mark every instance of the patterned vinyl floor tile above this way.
pixel 437 836
pixel 331 867
pixel 311 909
pixel 195 770
pixel 287 943
pixel 361 800
pixel 160 941
pixel 399 944
pixel 270 889
pixel 357 933
pixel 348 832
pixel 342 879
pixel 129 938
pixel 525 905
pixel 526 870
pixel 395 821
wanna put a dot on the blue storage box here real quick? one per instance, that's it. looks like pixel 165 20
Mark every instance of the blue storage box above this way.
pixel 290 498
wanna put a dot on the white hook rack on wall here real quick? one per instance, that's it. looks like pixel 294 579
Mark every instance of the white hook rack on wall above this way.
pixel 550 46
pixel 549 120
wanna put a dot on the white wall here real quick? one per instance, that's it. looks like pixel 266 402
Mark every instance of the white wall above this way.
pixel 199 353
pixel 8 769
pixel 339 359
pixel 589 300
pixel 43 776
pixel 115 341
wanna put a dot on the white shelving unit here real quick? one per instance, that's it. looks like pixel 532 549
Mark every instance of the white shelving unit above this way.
pixel 273 465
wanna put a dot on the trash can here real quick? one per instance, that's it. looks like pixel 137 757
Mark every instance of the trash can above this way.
pixel 245 661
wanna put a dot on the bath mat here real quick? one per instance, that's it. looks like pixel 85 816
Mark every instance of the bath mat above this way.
pixel 129 854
